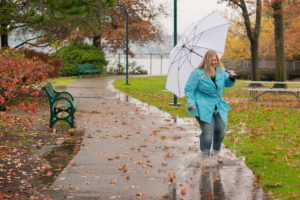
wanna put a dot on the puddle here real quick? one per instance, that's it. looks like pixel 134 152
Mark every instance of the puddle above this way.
pixel 223 181
pixel 58 158
pixel 230 180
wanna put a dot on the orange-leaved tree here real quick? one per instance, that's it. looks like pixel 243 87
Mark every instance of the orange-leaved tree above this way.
pixel 237 45
pixel 143 26
pixel 292 33
pixel 291 27
pixel 250 9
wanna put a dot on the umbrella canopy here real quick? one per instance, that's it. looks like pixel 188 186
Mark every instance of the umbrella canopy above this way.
pixel 201 36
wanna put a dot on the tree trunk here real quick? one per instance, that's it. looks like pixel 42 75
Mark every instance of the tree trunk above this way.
pixel 255 62
pixel 4 37
pixel 253 35
pixel 97 41
pixel 281 74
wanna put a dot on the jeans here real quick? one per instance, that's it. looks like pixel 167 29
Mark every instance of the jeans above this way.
pixel 212 132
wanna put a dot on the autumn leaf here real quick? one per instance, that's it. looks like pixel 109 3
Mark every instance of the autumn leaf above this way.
pixel 124 168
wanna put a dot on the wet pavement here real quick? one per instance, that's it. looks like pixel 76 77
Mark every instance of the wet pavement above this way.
pixel 134 151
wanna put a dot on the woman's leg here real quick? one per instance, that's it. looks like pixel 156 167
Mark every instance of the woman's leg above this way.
pixel 206 136
pixel 219 132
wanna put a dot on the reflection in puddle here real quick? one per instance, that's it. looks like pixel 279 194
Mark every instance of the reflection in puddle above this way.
pixel 210 185
pixel 225 181
pixel 231 180
pixel 59 157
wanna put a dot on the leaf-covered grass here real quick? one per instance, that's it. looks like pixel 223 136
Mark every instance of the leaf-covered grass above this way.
pixel 265 132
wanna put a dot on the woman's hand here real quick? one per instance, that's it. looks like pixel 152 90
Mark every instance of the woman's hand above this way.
pixel 192 107
pixel 232 74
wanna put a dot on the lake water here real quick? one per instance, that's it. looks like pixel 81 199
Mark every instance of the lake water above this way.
pixel 155 65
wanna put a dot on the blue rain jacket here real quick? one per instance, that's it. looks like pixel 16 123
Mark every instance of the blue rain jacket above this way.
pixel 201 91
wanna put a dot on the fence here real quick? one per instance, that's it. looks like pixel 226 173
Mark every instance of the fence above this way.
pixel 155 64
pixel 267 68
pixel 158 64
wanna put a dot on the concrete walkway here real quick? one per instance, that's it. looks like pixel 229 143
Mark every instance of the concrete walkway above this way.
pixel 134 151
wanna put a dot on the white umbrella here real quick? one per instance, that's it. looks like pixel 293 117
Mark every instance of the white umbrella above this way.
pixel 201 36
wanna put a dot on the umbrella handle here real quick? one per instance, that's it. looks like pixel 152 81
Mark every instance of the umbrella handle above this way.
pixel 229 73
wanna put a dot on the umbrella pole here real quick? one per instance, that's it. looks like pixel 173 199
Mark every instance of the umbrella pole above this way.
pixel 175 42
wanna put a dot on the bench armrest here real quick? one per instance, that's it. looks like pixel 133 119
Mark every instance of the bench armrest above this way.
pixel 58 94
pixel 65 99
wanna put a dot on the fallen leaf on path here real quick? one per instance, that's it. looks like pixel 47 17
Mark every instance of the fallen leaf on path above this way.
pixel 124 168
pixel 139 162
pixel 115 197
pixel 168 156
pixel 113 182
pixel 176 137
pixel 139 194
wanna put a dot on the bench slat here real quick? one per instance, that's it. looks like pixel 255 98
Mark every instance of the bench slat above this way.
pixel 273 82
pixel 87 69
pixel 275 89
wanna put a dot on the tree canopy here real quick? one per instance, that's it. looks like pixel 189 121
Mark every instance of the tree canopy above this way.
pixel 50 19
pixel 143 24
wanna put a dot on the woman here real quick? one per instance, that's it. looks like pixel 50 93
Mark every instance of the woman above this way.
pixel 204 91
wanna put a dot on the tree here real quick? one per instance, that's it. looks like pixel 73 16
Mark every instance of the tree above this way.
pixel 291 14
pixel 277 6
pixel 252 32
pixel 266 44
pixel 14 15
pixel 48 20
pixel 75 21
pixel 142 25
pixel 292 33
pixel 236 42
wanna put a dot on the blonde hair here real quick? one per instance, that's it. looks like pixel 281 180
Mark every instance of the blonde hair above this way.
pixel 206 63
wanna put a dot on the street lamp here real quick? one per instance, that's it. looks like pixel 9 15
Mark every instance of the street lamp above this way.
pixel 126 15
pixel 175 42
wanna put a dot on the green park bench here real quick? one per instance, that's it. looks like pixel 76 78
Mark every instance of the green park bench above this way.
pixel 83 69
pixel 62 106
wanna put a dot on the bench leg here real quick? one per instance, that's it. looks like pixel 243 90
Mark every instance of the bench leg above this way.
pixel 253 94
pixel 52 120
pixel 69 119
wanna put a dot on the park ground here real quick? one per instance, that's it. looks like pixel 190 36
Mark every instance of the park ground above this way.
pixel 259 131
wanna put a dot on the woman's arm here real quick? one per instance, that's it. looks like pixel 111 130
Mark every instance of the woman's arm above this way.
pixel 230 78
pixel 190 89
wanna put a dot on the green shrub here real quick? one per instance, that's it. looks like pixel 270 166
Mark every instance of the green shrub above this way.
pixel 80 53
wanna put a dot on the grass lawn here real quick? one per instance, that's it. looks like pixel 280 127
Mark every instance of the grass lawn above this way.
pixel 265 132
pixel 62 81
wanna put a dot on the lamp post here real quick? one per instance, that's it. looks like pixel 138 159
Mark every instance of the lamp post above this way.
pixel 175 42
pixel 126 15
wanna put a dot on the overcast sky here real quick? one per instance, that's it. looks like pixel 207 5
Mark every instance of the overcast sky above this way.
pixel 188 11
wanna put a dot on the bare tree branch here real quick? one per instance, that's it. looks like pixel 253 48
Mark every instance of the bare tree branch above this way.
pixel 26 41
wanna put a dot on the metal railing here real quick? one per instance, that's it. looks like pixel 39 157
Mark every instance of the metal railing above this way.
pixel 158 64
